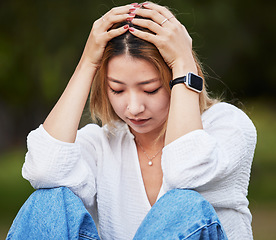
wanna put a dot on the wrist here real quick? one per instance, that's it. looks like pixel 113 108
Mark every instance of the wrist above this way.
pixel 86 67
pixel 182 68
pixel 192 82
pixel 85 63
pixel 85 71
pixel 183 72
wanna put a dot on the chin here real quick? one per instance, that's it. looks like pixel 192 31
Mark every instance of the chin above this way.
pixel 147 129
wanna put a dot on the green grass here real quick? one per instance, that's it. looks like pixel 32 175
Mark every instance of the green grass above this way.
pixel 262 191
pixel 262 186
pixel 14 189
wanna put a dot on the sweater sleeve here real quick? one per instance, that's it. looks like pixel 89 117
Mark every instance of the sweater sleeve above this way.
pixel 52 163
pixel 219 155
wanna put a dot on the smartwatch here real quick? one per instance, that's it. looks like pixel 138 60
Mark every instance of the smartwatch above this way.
pixel 192 81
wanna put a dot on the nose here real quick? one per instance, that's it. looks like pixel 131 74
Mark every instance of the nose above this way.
pixel 135 105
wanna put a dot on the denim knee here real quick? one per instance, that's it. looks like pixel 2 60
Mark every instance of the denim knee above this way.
pixel 53 214
pixel 177 200
pixel 181 214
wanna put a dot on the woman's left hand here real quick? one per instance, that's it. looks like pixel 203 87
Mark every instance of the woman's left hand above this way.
pixel 169 36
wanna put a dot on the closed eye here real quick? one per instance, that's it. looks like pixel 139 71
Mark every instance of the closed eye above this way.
pixel 115 92
pixel 154 91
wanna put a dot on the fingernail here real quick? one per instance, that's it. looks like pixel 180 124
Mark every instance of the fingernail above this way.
pixel 138 6
pixel 126 26
pixel 145 3
pixel 131 14
pixel 132 9
pixel 129 19
pixel 134 4
pixel 131 29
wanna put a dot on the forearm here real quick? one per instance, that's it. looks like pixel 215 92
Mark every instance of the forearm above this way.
pixel 63 121
pixel 184 114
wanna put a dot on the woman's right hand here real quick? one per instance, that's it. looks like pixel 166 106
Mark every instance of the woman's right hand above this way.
pixel 100 33
pixel 63 121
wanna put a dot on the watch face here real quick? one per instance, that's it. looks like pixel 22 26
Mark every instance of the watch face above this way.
pixel 195 82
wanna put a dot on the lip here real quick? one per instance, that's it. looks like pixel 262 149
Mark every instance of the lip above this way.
pixel 138 121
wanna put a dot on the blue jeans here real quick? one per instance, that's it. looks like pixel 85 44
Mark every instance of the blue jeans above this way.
pixel 59 214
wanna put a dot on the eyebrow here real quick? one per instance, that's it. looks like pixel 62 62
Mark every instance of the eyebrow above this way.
pixel 141 83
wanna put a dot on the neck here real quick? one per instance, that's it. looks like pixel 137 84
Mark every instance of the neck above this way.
pixel 152 140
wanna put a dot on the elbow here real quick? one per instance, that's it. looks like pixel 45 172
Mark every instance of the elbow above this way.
pixel 36 177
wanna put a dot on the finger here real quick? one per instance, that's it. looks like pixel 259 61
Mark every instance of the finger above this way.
pixel 117 14
pixel 151 25
pixel 116 32
pixel 153 15
pixel 108 21
pixel 162 10
pixel 119 11
pixel 149 37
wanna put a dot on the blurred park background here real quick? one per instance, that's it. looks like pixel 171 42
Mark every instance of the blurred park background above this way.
pixel 41 43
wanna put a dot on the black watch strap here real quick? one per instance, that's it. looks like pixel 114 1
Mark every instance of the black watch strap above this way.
pixel 177 80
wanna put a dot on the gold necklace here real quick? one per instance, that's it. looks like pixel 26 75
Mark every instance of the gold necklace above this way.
pixel 148 157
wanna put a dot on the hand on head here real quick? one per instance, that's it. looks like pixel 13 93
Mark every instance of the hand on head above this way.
pixel 154 23
pixel 167 34
pixel 102 33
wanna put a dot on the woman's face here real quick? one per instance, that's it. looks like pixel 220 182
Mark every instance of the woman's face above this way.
pixel 136 93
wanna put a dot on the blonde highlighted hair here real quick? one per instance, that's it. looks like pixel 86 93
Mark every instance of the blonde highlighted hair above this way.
pixel 127 43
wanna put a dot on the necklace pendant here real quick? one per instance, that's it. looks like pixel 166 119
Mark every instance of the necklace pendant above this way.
pixel 150 163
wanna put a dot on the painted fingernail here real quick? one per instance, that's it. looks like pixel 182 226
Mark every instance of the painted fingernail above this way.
pixel 126 26
pixel 134 4
pixel 132 9
pixel 145 3
pixel 138 6
pixel 131 14
pixel 129 19
pixel 131 29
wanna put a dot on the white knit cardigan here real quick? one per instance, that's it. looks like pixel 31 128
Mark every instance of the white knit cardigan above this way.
pixel 102 168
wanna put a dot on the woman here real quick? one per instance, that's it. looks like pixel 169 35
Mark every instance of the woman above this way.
pixel 159 139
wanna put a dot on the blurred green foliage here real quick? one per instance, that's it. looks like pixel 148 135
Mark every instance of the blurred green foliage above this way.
pixel 14 189
pixel 41 42
pixel 263 186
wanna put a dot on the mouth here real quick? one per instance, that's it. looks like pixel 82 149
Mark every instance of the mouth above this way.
pixel 139 121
